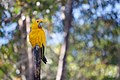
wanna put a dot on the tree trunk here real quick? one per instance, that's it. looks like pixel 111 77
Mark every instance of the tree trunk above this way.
pixel 37 63
pixel 61 73
pixel 29 51
pixel 23 47
pixel 25 50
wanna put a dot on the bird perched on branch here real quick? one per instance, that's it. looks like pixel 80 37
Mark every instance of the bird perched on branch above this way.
pixel 37 38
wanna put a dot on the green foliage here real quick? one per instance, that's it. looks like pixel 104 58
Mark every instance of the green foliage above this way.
pixel 93 52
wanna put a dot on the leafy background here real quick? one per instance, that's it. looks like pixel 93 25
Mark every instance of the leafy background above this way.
pixel 93 51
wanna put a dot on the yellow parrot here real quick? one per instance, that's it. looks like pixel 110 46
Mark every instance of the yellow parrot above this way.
pixel 37 37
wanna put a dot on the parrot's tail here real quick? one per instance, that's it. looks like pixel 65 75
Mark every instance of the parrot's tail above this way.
pixel 44 59
pixel 43 56
pixel 39 52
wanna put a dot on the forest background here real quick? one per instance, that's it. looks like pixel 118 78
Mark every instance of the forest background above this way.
pixel 83 39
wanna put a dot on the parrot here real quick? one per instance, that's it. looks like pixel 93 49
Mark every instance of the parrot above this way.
pixel 37 38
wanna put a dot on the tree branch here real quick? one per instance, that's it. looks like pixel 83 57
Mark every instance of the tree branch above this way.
pixel 61 73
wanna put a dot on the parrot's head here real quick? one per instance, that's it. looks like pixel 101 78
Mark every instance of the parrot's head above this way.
pixel 37 24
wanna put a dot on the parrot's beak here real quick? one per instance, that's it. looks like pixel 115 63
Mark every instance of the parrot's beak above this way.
pixel 40 25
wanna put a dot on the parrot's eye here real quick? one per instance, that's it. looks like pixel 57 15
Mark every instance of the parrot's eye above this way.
pixel 37 21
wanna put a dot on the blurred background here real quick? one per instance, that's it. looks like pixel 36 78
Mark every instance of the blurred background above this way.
pixel 83 39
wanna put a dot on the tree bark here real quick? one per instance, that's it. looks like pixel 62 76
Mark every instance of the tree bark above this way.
pixel 61 73
pixel 25 50
pixel 23 47
pixel 29 51
pixel 37 63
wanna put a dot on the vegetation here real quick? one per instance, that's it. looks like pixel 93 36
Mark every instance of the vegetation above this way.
pixel 83 39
